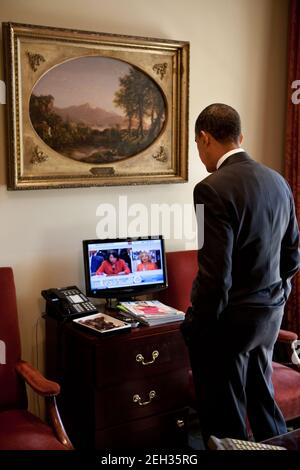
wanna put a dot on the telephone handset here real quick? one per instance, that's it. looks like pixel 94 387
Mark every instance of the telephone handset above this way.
pixel 67 302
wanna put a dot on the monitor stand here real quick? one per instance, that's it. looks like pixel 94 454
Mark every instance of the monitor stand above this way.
pixel 112 303
pixel 111 309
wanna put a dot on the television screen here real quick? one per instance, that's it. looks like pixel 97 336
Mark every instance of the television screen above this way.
pixel 124 267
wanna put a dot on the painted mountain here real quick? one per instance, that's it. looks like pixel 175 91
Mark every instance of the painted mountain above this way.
pixel 96 118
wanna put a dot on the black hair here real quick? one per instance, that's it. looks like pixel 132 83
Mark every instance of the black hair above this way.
pixel 114 253
pixel 221 121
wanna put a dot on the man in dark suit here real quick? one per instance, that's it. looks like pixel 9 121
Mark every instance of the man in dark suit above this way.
pixel 249 255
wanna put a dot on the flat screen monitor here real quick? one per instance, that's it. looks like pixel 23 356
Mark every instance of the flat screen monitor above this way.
pixel 124 268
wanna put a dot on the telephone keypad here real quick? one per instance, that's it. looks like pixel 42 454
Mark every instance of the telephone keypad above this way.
pixel 68 301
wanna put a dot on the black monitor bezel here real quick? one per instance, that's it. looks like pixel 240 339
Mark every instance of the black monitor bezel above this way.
pixel 128 291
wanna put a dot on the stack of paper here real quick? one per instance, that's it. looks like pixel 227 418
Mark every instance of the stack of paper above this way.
pixel 151 312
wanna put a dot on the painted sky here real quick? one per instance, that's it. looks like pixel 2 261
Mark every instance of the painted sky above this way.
pixel 92 80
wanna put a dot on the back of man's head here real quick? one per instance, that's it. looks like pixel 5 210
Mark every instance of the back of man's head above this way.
pixel 221 121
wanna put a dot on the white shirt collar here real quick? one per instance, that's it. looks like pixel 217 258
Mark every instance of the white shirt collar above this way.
pixel 228 154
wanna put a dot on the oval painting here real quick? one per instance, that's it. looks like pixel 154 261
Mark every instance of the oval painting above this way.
pixel 97 109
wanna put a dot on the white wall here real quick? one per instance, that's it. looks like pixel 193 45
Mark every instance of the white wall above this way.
pixel 238 56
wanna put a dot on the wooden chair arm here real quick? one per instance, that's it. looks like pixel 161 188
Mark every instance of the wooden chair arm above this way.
pixel 285 350
pixel 286 336
pixel 36 380
pixel 49 390
pixel 56 422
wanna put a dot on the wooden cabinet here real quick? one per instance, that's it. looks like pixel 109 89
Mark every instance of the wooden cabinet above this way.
pixel 127 390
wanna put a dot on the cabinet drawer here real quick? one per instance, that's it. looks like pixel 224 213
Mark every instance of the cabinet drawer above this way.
pixel 139 357
pixel 168 430
pixel 128 401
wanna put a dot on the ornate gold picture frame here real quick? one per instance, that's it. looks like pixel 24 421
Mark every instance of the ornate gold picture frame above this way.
pixel 94 109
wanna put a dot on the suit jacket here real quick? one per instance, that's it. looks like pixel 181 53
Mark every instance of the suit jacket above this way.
pixel 251 240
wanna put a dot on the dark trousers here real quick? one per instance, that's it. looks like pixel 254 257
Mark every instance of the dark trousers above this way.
pixel 232 369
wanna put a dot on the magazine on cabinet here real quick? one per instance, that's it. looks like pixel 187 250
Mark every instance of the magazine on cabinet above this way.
pixel 151 312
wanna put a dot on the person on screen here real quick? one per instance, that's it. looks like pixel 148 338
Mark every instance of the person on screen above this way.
pixel 125 255
pixel 96 261
pixel 113 265
pixel 146 264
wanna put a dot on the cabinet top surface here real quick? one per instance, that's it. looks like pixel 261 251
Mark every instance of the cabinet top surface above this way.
pixel 122 335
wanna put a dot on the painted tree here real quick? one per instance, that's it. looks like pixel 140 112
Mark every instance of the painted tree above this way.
pixel 140 98
pixel 125 97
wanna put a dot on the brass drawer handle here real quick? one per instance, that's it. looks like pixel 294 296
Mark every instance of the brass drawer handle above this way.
pixel 137 398
pixel 140 358
pixel 180 423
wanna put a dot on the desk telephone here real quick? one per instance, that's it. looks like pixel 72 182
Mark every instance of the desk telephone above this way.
pixel 67 302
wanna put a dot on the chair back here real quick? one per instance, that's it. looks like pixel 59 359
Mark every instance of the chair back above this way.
pixel 12 388
pixel 182 268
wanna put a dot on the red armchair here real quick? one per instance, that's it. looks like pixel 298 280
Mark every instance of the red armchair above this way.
pixel 182 268
pixel 19 429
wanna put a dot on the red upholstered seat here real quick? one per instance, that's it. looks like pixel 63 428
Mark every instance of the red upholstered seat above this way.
pixel 286 383
pixel 182 268
pixel 19 429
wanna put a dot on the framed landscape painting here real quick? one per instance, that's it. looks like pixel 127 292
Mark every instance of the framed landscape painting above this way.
pixel 94 109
